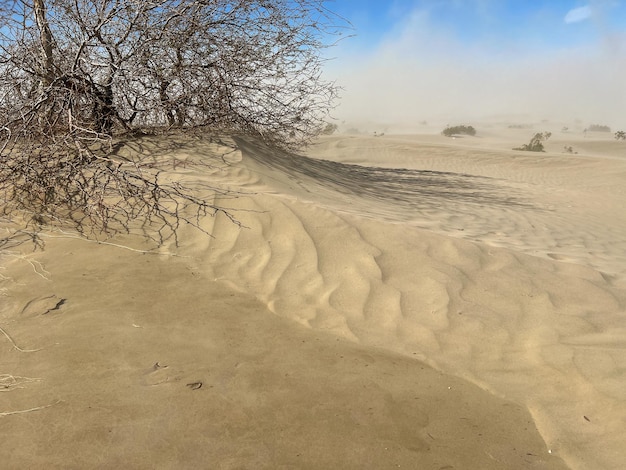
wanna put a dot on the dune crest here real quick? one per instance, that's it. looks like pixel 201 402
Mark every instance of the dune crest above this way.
pixel 501 268
pixel 480 306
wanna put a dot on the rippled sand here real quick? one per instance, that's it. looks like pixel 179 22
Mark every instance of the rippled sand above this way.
pixel 385 301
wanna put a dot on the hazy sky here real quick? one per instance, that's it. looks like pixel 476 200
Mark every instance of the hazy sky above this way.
pixel 462 59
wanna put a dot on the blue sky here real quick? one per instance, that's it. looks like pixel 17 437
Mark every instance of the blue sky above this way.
pixel 561 58
pixel 556 23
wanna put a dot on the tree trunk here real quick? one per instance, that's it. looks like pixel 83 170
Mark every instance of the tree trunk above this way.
pixel 45 37
pixel 103 110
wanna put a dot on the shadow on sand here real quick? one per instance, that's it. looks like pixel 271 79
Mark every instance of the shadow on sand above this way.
pixel 414 189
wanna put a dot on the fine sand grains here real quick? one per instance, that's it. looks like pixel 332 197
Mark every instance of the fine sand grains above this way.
pixel 151 364
pixel 517 285
pixel 498 267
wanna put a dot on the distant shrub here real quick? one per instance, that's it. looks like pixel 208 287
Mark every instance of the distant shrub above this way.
pixel 568 149
pixel 536 143
pixel 458 130
pixel 598 128
pixel 520 126
pixel 330 128
pixel 620 135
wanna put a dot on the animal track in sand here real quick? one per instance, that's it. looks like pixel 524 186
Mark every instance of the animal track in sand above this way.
pixel 160 374
pixel 195 385
pixel 163 374
pixel 42 305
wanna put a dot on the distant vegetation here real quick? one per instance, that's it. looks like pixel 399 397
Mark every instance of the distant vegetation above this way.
pixel 598 128
pixel 569 149
pixel 330 129
pixel 620 135
pixel 536 143
pixel 458 130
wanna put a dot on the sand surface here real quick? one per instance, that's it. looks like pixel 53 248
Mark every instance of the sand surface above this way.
pixel 407 301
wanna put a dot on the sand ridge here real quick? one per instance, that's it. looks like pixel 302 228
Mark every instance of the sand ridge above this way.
pixel 519 325
pixel 514 281
pixel 192 373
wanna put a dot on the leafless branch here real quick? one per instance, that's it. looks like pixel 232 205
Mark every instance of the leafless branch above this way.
pixel 77 77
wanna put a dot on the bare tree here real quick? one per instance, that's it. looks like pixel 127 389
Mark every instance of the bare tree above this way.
pixel 78 77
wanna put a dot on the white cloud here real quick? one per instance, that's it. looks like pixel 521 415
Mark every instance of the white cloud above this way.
pixel 578 14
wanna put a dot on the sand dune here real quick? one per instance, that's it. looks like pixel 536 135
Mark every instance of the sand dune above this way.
pixel 499 268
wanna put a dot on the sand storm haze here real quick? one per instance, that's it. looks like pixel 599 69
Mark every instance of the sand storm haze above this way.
pixel 458 61
pixel 385 298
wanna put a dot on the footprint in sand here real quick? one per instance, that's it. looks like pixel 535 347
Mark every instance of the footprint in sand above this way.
pixel 42 305
pixel 160 374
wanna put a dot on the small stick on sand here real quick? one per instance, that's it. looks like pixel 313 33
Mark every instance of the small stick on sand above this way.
pixel 38 268
pixel 9 413
pixel 9 382
pixel 99 242
pixel 15 345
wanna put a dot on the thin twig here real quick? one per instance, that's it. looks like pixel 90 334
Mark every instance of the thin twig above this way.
pixel 15 345
pixel 9 382
pixel 78 237
pixel 9 413
pixel 36 265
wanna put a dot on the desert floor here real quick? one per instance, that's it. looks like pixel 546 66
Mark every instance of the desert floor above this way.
pixel 395 301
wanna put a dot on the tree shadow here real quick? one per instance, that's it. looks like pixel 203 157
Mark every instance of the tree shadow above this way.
pixel 412 188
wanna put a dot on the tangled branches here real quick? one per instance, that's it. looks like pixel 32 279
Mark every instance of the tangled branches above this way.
pixel 94 191
pixel 77 78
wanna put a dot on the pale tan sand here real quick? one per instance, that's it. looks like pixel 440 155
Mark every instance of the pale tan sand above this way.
pixel 507 269
pixel 115 381
pixel 544 333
